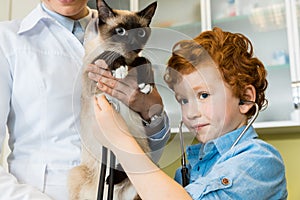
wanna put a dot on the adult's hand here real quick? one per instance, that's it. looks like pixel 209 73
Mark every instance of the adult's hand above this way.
pixel 126 90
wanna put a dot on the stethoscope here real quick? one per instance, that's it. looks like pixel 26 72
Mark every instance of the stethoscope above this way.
pixel 184 169
pixel 102 177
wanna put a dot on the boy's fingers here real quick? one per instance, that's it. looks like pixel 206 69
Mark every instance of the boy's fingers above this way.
pixel 102 102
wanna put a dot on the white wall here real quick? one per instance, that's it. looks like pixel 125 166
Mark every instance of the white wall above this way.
pixel 16 9
pixel 4 10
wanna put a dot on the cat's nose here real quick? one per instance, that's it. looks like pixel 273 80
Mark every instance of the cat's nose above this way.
pixel 133 45
pixel 133 41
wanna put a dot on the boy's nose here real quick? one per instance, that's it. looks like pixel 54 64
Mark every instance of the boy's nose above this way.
pixel 193 110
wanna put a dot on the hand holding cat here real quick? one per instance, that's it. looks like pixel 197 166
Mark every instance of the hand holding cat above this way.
pixel 126 90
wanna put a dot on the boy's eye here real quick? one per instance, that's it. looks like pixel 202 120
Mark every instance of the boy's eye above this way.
pixel 203 95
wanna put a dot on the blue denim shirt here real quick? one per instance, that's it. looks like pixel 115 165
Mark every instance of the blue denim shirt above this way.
pixel 253 169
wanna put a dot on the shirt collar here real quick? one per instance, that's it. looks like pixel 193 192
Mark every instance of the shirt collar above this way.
pixel 221 144
pixel 84 21
pixel 224 143
pixel 67 22
pixel 32 19
pixel 42 13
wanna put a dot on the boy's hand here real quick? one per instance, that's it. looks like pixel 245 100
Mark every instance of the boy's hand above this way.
pixel 112 126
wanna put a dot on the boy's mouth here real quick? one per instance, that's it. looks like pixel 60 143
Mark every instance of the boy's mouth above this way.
pixel 199 127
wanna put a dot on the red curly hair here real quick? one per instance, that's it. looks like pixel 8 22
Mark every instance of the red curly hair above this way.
pixel 231 52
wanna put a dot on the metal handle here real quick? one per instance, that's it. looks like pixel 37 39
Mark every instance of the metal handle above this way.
pixel 100 194
pixel 111 176
pixel 102 174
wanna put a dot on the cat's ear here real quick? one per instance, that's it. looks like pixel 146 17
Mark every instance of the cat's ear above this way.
pixel 148 12
pixel 104 11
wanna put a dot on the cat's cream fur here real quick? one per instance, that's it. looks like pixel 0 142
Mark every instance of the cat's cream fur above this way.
pixel 83 179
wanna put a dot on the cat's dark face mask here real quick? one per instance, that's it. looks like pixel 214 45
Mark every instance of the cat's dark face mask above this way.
pixel 132 40
pixel 125 32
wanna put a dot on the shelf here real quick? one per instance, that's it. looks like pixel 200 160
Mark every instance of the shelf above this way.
pixel 231 19
pixel 184 26
pixel 280 66
pixel 189 29
pixel 274 127
pixel 277 127
pixel 275 124
pixel 258 23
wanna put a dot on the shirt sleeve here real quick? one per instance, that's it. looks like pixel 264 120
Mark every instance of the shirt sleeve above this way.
pixel 253 173
pixel 9 186
pixel 158 140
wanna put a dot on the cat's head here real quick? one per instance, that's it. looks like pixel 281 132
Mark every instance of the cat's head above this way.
pixel 123 31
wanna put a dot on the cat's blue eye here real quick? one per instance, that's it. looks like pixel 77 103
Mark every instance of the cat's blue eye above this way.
pixel 120 31
pixel 141 33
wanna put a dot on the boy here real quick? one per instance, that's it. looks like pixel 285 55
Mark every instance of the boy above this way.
pixel 219 85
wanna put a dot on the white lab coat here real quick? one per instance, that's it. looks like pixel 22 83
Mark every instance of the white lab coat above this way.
pixel 40 65
pixel 40 62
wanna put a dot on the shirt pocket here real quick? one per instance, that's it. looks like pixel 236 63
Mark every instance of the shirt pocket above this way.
pixel 57 175
pixel 31 174
pixel 203 186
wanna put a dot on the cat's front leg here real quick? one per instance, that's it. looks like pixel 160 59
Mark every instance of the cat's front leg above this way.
pixel 145 75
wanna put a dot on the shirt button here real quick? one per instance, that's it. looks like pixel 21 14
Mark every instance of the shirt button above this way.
pixel 225 181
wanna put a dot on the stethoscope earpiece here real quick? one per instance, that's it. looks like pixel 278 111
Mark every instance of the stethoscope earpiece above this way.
pixel 243 102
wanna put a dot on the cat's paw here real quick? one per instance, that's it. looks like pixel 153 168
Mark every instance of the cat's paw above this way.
pixel 145 88
pixel 120 72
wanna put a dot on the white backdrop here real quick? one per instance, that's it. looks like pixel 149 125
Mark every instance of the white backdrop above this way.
pixel 16 9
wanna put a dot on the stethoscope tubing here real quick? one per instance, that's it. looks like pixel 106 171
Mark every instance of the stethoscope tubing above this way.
pixel 247 126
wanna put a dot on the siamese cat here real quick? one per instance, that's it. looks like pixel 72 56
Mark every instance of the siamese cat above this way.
pixel 118 37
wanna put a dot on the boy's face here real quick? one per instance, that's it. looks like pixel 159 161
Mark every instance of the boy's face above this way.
pixel 208 106
pixel 74 9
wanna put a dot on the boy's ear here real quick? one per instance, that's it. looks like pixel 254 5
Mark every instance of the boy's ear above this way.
pixel 249 95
